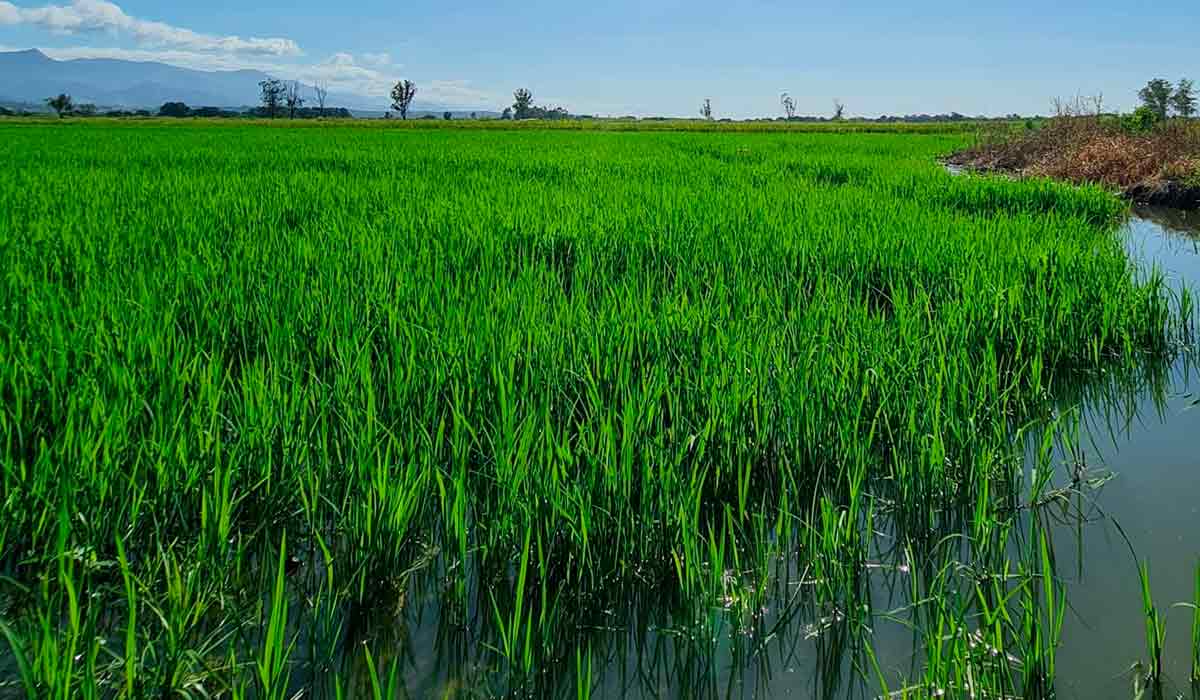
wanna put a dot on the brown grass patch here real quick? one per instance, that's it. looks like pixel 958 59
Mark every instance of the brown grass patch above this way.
pixel 1095 149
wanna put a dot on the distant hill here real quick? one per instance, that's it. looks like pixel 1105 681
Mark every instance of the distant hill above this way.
pixel 32 76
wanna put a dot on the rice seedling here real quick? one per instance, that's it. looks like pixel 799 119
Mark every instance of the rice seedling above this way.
pixel 274 397
pixel 1196 632
pixel 1156 631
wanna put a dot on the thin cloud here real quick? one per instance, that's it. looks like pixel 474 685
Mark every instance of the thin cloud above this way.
pixel 89 16
pixel 378 60
pixel 342 73
pixel 366 76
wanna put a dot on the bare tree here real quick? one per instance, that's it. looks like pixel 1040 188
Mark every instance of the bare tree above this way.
pixel 522 103
pixel 789 105
pixel 61 104
pixel 839 110
pixel 706 109
pixel 402 97
pixel 321 92
pixel 1184 99
pixel 293 98
pixel 272 96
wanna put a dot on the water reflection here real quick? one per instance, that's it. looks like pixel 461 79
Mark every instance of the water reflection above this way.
pixel 1147 436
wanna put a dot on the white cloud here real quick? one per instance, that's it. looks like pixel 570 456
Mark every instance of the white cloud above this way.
pixel 341 72
pixel 364 75
pixel 379 60
pixel 83 16
pixel 9 14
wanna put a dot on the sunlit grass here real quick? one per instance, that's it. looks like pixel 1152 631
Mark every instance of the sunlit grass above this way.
pixel 534 377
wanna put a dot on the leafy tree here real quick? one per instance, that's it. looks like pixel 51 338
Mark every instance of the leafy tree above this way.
pixel 61 104
pixel 402 97
pixel 706 109
pixel 1157 96
pixel 272 96
pixel 174 109
pixel 522 104
pixel 789 106
pixel 447 115
pixel 1184 99
pixel 507 114
pixel 293 99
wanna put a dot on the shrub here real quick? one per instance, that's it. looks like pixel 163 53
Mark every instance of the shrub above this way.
pixel 1140 121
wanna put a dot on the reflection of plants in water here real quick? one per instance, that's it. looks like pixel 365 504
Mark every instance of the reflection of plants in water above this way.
pixel 1173 220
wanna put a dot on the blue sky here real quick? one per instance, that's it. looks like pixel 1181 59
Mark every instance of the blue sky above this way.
pixel 653 58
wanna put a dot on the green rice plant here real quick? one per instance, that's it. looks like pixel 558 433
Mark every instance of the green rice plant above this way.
pixel 272 663
pixel 380 688
pixel 540 384
pixel 1196 631
pixel 1156 630
pixel 583 674
pixel 516 628
pixel 131 651
pixel 16 647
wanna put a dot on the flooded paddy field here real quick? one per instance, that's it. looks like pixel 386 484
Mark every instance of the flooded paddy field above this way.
pixel 392 412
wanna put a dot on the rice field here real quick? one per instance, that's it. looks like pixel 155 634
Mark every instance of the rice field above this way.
pixel 402 412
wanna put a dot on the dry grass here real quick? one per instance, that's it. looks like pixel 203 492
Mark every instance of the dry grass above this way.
pixel 1164 162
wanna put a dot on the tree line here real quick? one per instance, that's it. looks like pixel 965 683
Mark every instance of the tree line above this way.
pixel 523 107
pixel 278 97
pixel 1160 100
pixel 1164 100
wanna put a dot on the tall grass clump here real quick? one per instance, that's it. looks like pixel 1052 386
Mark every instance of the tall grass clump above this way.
pixel 291 409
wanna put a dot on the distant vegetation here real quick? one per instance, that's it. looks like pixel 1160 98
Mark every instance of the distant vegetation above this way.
pixel 402 97
pixel 180 110
pixel 1150 155
pixel 1164 99
pixel 61 104
pixel 523 107
pixel 1160 100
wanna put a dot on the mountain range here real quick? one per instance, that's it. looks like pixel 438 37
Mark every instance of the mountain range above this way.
pixel 32 76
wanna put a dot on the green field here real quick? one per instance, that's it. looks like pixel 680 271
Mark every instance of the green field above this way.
pixel 290 409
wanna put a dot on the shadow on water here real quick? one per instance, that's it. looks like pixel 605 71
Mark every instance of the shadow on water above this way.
pixel 1126 487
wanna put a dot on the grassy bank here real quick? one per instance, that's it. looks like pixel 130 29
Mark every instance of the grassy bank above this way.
pixel 1158 165
pixel 297 409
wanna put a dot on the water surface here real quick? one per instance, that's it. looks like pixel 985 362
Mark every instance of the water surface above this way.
pixel 1151 444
